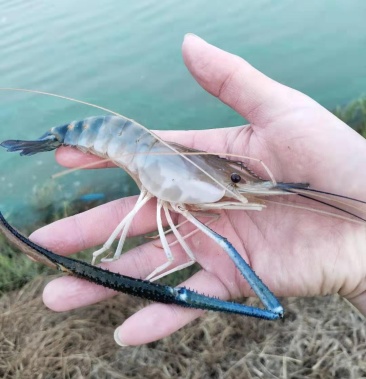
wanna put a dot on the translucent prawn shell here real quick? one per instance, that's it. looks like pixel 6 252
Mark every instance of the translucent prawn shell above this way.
pixel 172 177
pixel 164 173
pixel 201 179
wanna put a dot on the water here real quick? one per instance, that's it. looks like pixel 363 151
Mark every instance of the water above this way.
pixel 126 56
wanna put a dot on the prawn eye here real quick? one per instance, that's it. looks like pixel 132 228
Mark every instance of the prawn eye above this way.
pixel 235 178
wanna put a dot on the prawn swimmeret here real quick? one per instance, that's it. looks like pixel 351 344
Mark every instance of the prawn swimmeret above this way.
pixel 184 181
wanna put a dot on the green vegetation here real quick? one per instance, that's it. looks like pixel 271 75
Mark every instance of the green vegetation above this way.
pixel 354 114
pixel 16 269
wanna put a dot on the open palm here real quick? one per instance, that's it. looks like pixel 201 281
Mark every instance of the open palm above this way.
pixel 295 252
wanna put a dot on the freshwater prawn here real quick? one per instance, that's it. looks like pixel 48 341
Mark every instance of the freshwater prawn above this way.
pixel 184 181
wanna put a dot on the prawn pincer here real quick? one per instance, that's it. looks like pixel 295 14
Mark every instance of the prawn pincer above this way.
pixel 184 181
pixel 132 286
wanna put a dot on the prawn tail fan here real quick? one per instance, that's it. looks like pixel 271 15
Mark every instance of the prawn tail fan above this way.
pixel 47 142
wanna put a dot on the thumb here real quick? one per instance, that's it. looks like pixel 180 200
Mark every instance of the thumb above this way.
pixel 236 83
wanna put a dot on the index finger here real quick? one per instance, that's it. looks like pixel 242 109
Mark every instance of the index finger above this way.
pixel 93 227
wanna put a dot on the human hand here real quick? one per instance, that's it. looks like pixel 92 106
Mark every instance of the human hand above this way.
pixel 295 252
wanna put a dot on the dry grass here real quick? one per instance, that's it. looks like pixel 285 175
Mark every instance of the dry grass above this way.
pixel 320 338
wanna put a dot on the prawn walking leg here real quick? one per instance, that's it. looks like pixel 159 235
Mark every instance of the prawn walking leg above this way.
pixel 154 275
pixel 125 225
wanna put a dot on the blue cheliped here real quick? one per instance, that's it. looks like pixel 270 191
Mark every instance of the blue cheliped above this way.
pixel 136 287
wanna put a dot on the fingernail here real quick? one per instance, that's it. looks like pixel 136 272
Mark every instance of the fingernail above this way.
pixel 117 337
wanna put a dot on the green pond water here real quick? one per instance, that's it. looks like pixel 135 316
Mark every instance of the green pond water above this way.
pixel 126 55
